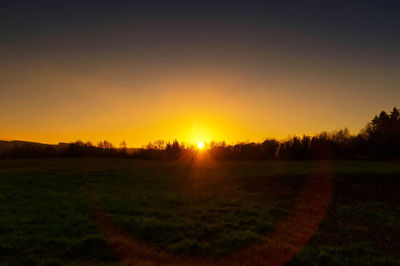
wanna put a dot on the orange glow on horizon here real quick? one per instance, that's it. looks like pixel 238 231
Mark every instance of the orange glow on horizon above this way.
pixel 203 106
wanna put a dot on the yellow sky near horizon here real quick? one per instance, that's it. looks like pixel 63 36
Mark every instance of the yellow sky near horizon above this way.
pixel 185 104
pixel 232 97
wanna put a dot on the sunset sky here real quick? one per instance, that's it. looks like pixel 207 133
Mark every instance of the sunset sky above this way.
pixel 231 71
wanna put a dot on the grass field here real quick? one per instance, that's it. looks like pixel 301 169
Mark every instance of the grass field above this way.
pixel 201 210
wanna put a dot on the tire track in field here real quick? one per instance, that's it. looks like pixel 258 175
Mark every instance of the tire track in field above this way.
pixel 276 248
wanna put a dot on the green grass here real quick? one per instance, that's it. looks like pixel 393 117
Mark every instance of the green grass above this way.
pixel 210 210
pixel 203 211
pixel 362 226
pixel 45 219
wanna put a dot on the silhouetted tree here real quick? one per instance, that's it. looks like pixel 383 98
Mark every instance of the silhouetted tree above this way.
pixel 380 139
pixel 173 151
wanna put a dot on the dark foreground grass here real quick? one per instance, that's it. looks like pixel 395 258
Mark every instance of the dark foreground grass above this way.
pixel 193 210
pixel 362 226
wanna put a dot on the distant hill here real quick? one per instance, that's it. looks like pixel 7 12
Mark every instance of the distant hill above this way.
pixel 8 145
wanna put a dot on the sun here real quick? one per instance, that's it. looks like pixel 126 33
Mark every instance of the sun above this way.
pixel 200 144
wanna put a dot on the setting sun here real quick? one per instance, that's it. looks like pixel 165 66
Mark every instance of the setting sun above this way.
pixel 200 144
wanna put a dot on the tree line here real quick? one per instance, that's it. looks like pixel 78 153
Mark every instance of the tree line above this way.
pixel 380 139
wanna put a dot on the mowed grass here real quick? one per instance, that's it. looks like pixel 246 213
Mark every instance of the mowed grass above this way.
pixel 209 209
pixel 196 210
pixel 362 225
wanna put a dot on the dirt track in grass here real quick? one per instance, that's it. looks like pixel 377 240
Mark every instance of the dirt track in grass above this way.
pixel 276 248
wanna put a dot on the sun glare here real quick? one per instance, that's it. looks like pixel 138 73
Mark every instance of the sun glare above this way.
pixel 200 144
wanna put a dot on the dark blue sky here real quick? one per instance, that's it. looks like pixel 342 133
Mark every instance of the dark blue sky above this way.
pixel 358 30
